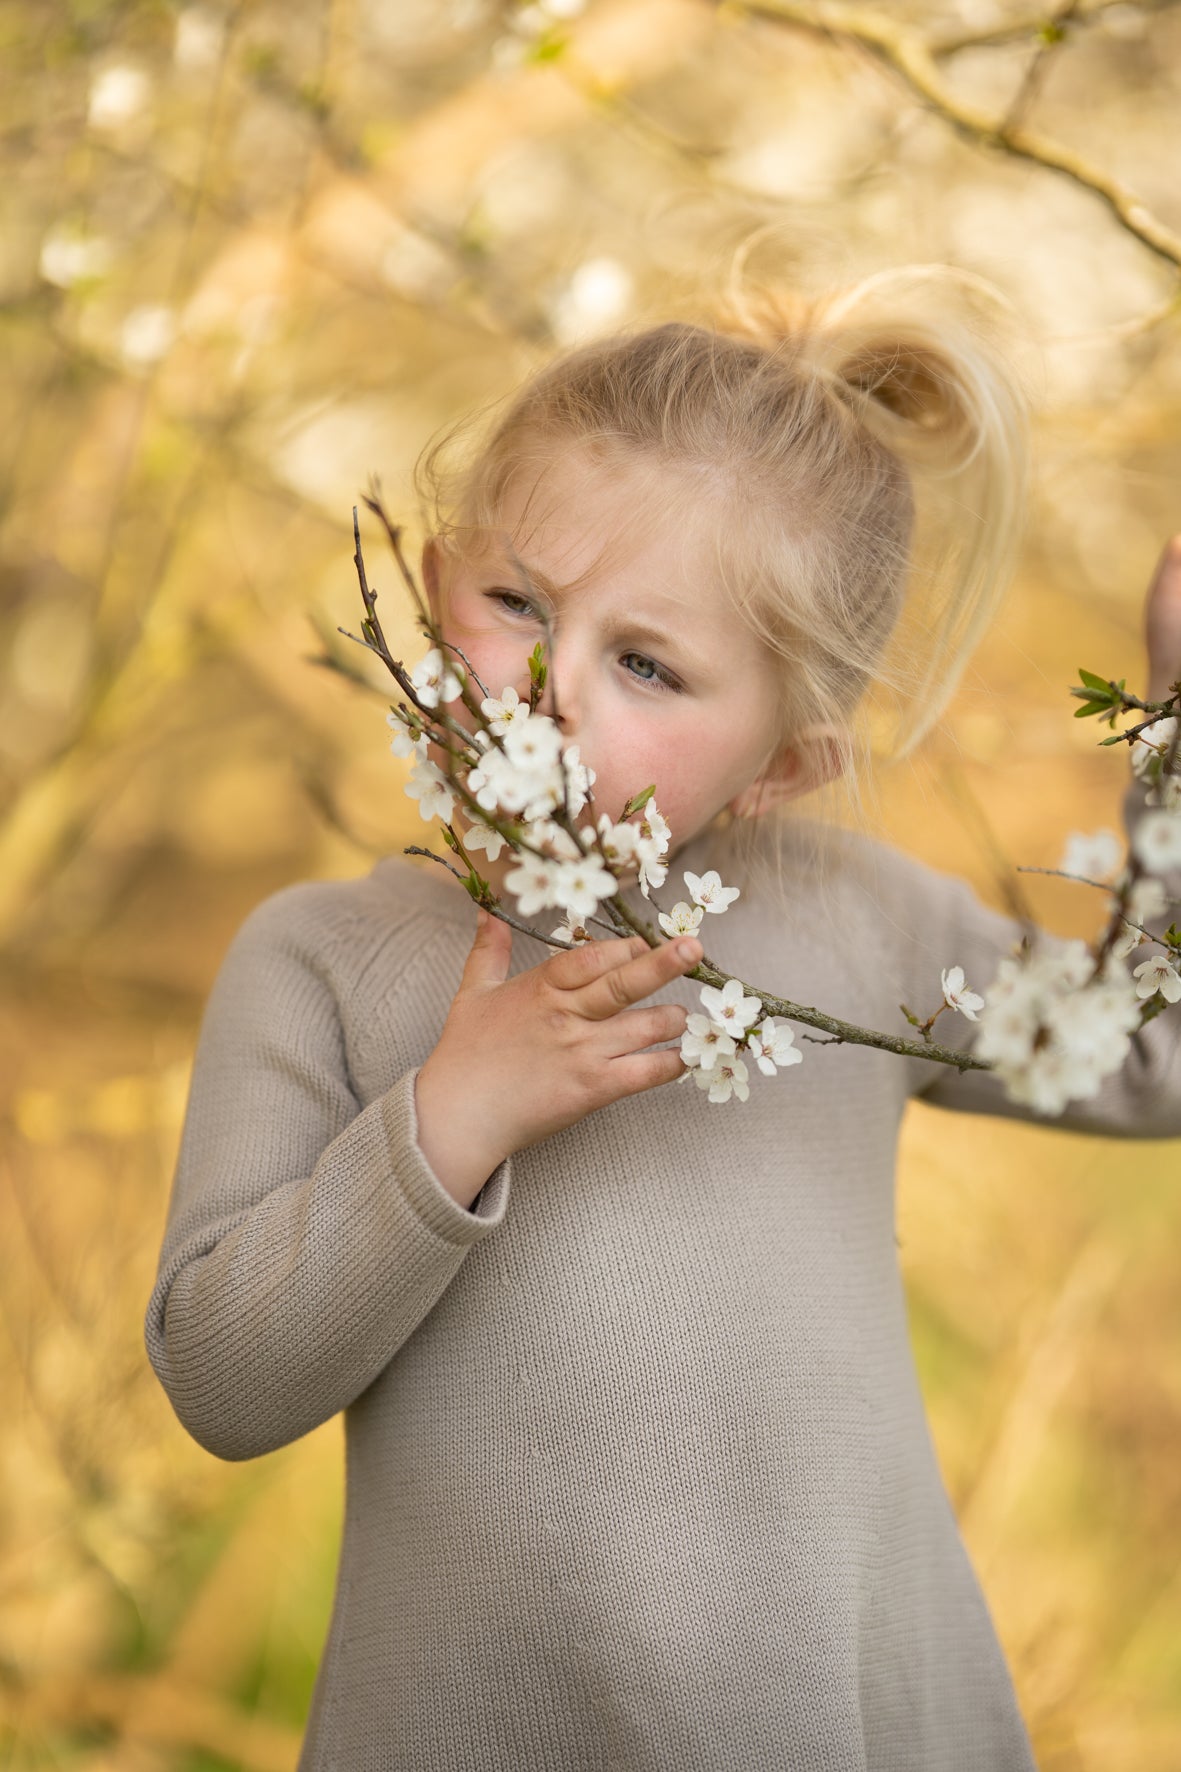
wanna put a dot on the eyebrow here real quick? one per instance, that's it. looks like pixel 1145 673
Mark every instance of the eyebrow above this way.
pixel 629 627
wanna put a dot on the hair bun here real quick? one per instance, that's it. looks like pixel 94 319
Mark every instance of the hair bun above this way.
pixel 904 380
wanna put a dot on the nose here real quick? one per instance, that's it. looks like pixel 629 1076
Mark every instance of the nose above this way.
pixel 563 717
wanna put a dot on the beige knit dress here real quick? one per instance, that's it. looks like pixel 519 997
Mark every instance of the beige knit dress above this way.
pixel 638 1474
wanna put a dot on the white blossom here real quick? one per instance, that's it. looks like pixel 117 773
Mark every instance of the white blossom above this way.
pixel 707 890
pixel 1156 841
pixel 1096 856
pixel 117 96
pixel 1147 899
pixel 548 834
pixel 403 743
pixel 683 919
pixel 772 1044
pixel 728 1075
pixel 508 711
pixel 430 787
pixel 730 1007
pixel 66 256
pixel 1051 1036
pixel 482 836
pixel 435 680
pixel 1149 750
pixel 532 882
pixel 580 886
pixel 572 931
pixel 1150 747
pixel 147 335
pixel 654 827
pixel 501 781
pixel 703 1041
pixel 198 41
pixel 1126 941
pixel 618 840
pixel 956 997
pixel 653 871
pixel 579 778
pixel 1158 974
pixel 533 745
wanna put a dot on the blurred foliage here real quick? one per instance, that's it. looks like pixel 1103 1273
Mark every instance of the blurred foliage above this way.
pixel 252 253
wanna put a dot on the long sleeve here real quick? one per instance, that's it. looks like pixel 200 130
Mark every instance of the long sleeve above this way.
pixel 306 1237
pixel 1141 1100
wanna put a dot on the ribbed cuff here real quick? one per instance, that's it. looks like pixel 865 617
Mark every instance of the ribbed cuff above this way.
pixel 438 1210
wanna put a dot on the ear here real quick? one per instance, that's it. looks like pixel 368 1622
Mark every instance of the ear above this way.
pixel 799 768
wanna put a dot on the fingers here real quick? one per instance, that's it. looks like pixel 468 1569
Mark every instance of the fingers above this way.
pixel 490 954
pixel 633 1029
pixel 647 1071
pixel 616 982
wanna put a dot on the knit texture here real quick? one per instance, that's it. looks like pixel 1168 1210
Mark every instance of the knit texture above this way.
pixel 638 1474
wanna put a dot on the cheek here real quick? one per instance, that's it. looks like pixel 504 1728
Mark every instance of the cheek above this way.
pixel 647 760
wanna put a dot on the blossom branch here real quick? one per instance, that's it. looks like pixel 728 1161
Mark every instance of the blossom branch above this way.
pixel 707 972
pixel 536 773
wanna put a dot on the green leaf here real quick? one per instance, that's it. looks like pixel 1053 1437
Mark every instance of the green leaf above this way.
pixel 1116 738
pixel 638 801
pixel 1092 707
pixel 1094 682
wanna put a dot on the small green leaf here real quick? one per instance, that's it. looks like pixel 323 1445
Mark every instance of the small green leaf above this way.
pixel 1116 738
pixel 1092 681
pixel 1092 707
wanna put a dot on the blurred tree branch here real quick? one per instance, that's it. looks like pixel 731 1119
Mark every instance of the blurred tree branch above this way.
pixel 914 58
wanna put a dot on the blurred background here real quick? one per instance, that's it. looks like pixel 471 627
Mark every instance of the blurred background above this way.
pixel 251 254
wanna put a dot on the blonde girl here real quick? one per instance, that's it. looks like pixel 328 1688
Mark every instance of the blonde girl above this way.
pixel 638 1474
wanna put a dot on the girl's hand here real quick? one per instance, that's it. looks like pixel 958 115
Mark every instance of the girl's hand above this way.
pixel 1162 622
pixel 520 1058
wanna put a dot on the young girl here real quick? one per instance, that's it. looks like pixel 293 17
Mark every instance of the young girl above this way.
pixel 638 1473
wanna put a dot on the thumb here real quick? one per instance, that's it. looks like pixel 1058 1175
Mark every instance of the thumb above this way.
pixel 492 948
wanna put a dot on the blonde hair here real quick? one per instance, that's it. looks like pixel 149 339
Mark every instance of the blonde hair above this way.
pixel 860 458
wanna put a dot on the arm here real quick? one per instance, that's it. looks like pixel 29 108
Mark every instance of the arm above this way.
pixel 1142 1100
pixel 306 1238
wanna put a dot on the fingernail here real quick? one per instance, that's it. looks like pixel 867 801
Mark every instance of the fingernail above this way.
pixel 688 950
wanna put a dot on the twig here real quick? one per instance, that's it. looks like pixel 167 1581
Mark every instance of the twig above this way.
pixel 706 972
pixel 912 57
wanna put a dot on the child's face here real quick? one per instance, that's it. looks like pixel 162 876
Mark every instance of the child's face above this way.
pixel 702 743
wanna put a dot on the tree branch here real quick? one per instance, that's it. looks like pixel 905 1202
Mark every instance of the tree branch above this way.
pixel 912 57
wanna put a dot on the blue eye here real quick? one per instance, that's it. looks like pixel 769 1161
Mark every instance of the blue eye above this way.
pixel 661 681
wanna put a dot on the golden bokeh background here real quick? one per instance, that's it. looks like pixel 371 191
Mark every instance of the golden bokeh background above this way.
pixel 253 253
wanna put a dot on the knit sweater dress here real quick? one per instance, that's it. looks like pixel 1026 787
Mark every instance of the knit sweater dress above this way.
pixel 638 1474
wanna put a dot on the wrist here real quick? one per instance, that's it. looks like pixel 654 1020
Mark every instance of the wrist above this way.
pixel 453 1135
